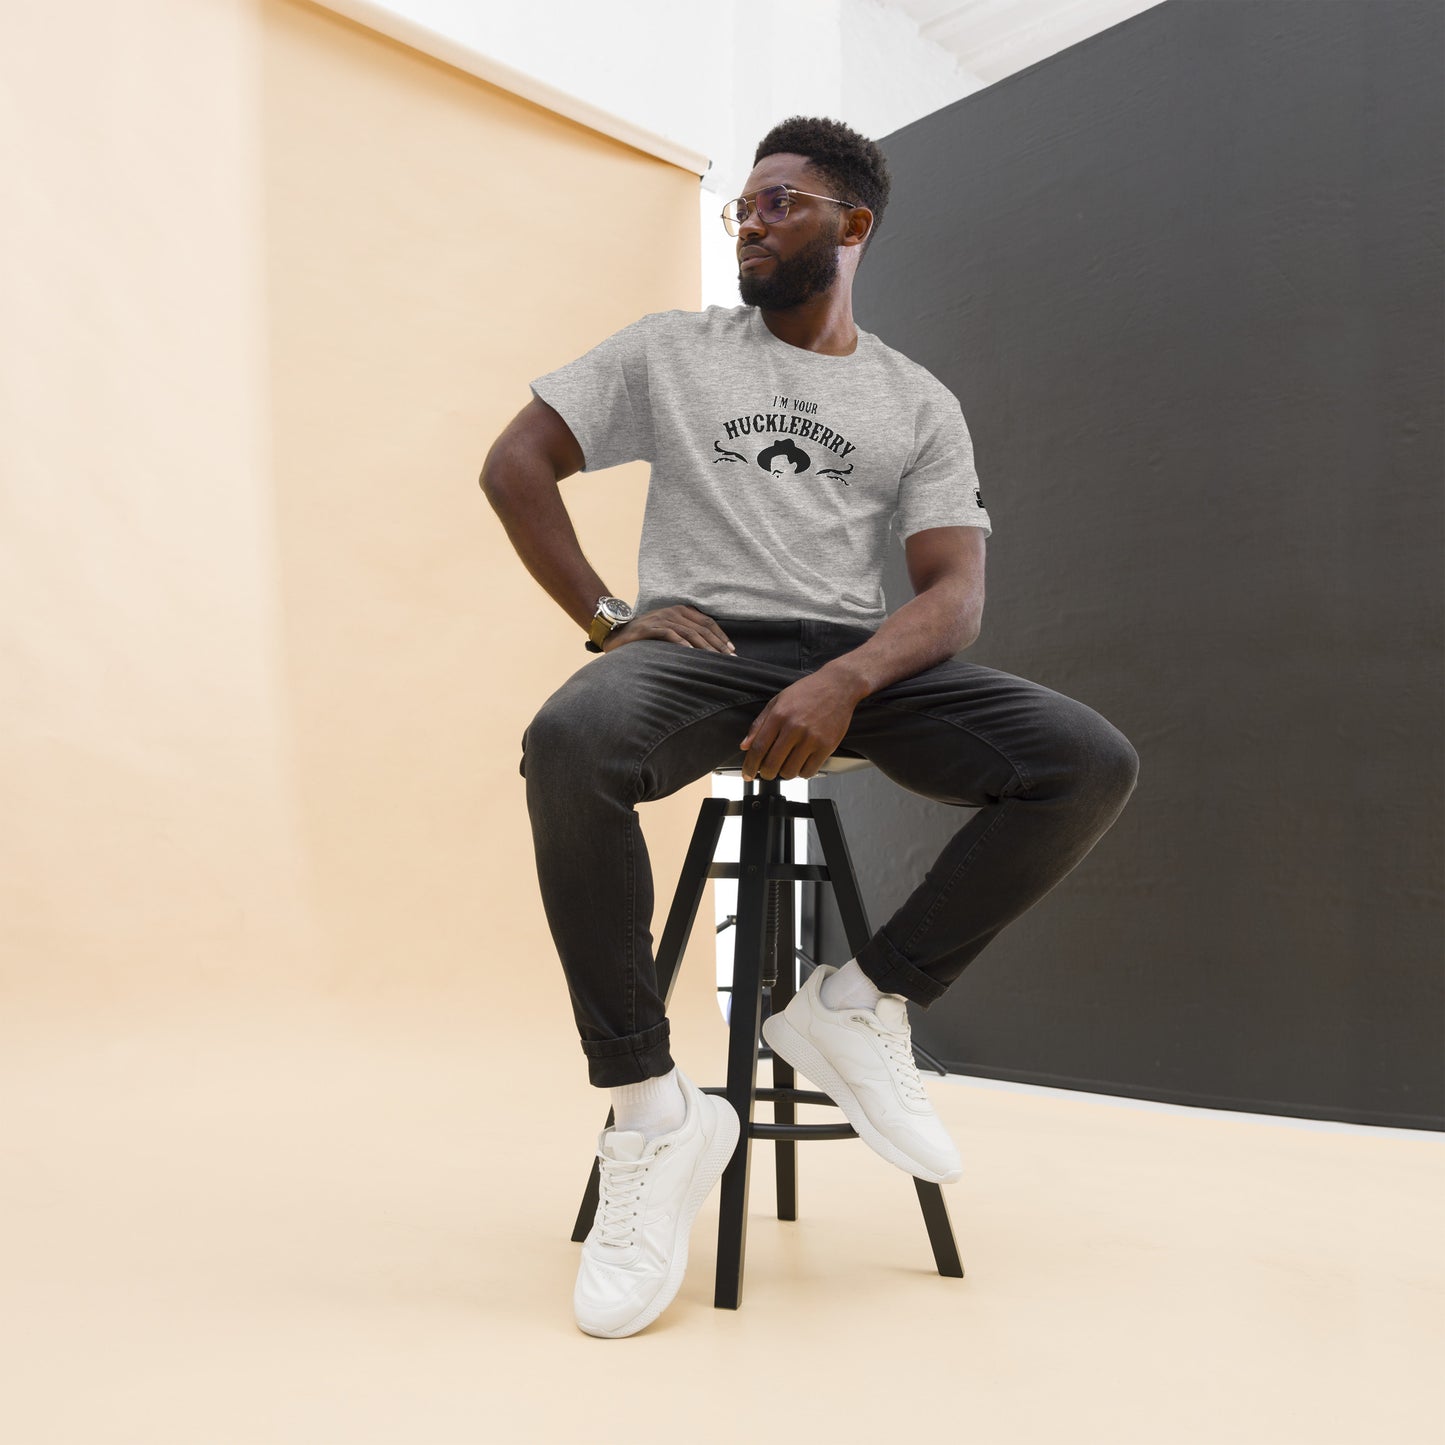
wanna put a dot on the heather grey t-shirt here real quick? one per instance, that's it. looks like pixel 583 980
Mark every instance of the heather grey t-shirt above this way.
pixel 776 471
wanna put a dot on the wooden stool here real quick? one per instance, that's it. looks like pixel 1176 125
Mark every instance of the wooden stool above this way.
pixel 764 961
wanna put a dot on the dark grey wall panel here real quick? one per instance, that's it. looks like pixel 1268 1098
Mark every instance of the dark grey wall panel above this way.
pixel 1186 278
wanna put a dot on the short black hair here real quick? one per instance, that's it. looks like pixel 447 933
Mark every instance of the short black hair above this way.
pixel 852 164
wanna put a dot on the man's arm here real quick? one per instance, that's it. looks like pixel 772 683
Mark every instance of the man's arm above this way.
pixel 800 728
pixel 520 475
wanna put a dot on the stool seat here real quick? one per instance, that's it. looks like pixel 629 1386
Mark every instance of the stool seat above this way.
pixel 765 970
pixel 838 763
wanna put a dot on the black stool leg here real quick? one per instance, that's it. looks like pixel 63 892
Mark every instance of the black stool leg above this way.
pixel 940 1230
pixel 784 970
pixel 745 1019
pixel 855 925
pixel 691 884
pixel 587 1210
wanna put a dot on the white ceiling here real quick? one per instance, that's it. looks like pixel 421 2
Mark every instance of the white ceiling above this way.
pixel 995 38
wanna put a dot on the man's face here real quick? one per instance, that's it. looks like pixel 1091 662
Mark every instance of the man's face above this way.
pixel 783 265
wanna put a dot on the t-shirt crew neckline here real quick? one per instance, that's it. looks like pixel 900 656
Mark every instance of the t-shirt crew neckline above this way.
pixel 761 330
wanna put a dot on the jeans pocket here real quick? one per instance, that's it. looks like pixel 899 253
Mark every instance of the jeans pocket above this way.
pixel 824 642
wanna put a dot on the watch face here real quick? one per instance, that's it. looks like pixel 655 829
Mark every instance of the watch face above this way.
pixel 615 610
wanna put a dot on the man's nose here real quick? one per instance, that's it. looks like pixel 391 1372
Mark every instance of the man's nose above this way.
pixel 752 226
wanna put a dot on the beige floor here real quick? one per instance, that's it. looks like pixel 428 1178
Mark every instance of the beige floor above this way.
pixel 293 1220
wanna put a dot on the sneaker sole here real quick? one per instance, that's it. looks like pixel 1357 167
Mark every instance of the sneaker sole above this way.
pixel 785 1040
pixel 714 1160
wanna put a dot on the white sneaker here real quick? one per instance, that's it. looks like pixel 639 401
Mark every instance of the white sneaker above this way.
pixel 863 1060
pixel 635 1255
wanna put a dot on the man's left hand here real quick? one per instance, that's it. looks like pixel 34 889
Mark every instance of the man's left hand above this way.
pixel 799 729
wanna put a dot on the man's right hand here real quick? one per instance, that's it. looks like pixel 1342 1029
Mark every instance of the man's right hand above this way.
pixel 685 625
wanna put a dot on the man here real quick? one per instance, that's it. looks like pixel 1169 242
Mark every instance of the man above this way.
pixel 783 442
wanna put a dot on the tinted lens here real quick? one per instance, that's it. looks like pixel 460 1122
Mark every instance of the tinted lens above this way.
pixel 773 204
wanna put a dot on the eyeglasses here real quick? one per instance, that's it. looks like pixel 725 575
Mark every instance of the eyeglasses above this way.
pixel 772 205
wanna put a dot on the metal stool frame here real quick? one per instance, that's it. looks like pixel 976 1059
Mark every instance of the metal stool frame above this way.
pixel 764 961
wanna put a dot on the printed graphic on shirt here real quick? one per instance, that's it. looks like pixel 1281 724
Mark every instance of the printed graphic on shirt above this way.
pixel 781 457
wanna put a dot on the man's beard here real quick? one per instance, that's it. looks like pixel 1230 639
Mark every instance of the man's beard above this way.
pixel 811 272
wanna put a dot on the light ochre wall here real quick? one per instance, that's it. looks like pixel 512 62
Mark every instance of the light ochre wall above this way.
pixel 275 285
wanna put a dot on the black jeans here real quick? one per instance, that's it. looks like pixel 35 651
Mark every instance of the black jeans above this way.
pixel 1048 775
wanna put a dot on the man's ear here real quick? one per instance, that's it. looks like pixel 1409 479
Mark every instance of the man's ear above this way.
pixel 857 226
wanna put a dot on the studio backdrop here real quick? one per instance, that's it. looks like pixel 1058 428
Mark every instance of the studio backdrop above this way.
pixel 1186 281
pixel 276 285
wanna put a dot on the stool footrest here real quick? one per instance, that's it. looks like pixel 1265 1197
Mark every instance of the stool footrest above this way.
pixel 779 1096
pixel 776 872
pixel 784 1132
pixel 802 1131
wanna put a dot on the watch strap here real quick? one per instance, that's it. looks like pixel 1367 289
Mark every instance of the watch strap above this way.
pixel 599 632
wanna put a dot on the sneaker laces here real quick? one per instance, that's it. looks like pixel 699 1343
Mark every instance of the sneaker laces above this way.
pixel 618 1210
pixel 898 1045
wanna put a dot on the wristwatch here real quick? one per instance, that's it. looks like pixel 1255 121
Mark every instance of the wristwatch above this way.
pixel 611 613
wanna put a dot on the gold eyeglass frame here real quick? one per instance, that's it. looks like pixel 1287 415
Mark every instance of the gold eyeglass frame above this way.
pixel 732 224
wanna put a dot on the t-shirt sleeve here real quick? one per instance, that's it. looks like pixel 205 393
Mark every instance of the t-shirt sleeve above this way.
pixel 941 487
pixel 603 398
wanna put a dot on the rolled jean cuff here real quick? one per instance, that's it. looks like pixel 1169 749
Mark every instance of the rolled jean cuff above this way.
pixel 893 973
pixel 614 1062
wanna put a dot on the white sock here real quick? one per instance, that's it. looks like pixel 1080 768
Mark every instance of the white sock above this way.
pixel 850 987
pixel 653 1107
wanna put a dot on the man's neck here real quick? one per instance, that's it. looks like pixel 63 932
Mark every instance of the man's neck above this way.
pixel 823 324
